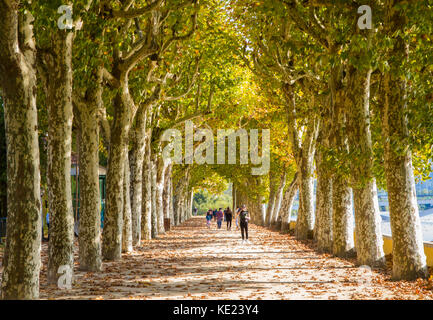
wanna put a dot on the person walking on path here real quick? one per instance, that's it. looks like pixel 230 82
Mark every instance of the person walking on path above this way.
pixel 219 218
pixel 208 218
pixel 228 216
pixel 244 217
pixel 214 213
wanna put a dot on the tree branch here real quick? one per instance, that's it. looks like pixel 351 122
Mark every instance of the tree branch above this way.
pixel 135 13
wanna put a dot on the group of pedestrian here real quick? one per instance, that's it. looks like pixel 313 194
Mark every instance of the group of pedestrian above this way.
pixel 242 218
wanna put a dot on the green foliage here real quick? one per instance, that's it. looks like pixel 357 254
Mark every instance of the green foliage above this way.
pixel 205 200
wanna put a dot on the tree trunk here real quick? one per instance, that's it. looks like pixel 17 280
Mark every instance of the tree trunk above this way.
pixel 190 201
pixel 368 233
pixel 342 214
pixel 303 149
pixel 181 207
pixel 271 202
pixel 304 222
pixel 409 261
pixel 154 215
pixel 90 219
pixel 146 208
pixel 59 103
pixel 171 202
pixel 176 203
pixel 21 261
pixel 136 164
pixel 113 220
pixel 233 197
pixel 127 225
pixel 287 204
pixel 160 173
pixel 166 192
pixel 342 218
pixel 278 199
pixel 323 224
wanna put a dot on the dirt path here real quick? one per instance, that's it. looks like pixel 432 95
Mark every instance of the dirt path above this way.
pixel 192 262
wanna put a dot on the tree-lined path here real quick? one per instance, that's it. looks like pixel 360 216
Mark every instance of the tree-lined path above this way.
pixel 192 262
pixel 118 117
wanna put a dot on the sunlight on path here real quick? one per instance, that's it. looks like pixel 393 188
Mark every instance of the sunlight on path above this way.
pixel 193 262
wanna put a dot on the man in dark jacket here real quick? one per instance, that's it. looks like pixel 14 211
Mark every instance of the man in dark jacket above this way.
pixel 244 217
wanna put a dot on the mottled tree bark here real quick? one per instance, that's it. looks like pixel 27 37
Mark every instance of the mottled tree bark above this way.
pixel 304 222
pixel 127 225
pixel 323 223
pixel 342 215
pixel 166 192
pixel 89 219
pixel 58 87
pixel 278 199
pixel 175 206
pixel 271 202
pixel 21 261
pixel 342 218
pixel 233 197
pixel 146 208
pixel 160 174
pixel 154 215
pixel 190 200
pixel 136 168
pixel 113 220
pixel 368 233
pixel 287 204
pixel 409 261
pixel 303 149
pixel 171 202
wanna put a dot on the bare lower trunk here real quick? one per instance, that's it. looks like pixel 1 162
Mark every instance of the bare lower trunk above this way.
pixel 59 102
pixel 21 261
pixel 180 202
pixel 233 197
pixel 127 226
pixel 287 204
pixel 171 202
pixel 260 211
pixel 136 164
pixel 166 193
pixel 190 200
pixel 304 222
pixel 160 174
pixel 89 219
pixel 342 218
pixel 154 212
pixel 176 203
pixel 323 225
pixel 113 219
pixel 146 208
pixel 271 203
pixel 323 222
pixel 181 208
pixel 409 261
pixel 278 199
pixel 369 241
